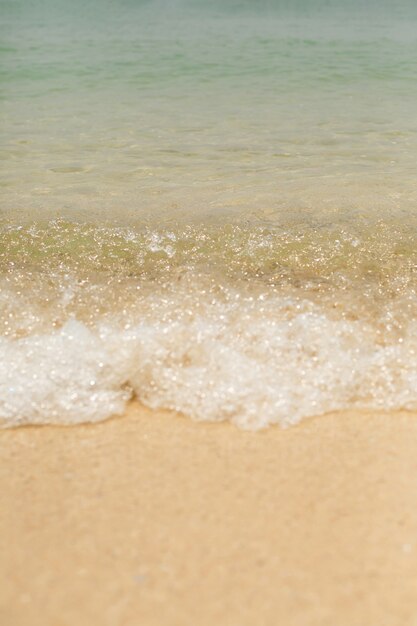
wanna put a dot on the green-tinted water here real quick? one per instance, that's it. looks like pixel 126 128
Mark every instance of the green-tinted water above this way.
pixel 188 108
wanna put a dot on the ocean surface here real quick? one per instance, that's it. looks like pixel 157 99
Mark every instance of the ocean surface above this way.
pixel 210 206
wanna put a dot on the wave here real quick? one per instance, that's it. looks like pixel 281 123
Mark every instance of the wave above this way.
pixel 254 325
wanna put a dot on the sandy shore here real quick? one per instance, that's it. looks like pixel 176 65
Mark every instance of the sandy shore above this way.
pixel 151 519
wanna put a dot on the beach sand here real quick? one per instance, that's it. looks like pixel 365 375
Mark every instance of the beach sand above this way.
pixel 153 519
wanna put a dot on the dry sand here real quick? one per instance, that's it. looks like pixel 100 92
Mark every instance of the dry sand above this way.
pixel 152 519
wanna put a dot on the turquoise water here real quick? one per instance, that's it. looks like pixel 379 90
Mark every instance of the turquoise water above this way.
pixel 217 198
pixel 140 106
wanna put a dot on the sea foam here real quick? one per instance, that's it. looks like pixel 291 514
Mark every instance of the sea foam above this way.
pixel 249 324
pixel 240 366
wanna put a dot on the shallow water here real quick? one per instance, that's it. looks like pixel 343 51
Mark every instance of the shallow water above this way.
pixel 212 208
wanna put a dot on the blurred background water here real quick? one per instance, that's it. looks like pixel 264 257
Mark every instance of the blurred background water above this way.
pixel 185 108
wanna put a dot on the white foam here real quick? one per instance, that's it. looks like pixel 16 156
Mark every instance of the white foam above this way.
pixel 249 362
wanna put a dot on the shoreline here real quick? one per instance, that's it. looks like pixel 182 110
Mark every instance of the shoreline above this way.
pixel 155 519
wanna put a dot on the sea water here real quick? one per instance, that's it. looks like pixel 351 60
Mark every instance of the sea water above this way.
pixel 210 206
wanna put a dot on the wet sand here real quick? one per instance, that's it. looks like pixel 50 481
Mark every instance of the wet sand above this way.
pixel 156 520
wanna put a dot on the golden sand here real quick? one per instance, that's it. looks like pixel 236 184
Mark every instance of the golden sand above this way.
pixel 152 519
